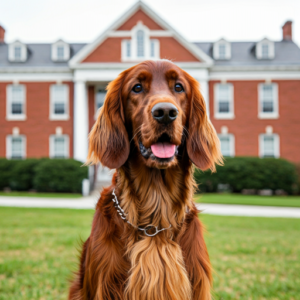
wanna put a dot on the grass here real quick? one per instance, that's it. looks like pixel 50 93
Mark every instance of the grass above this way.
pixel 253 258
pixel 288 201
pixel 40 195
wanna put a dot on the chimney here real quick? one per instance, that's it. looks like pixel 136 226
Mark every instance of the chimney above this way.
pixel 287 31
pixel 2 34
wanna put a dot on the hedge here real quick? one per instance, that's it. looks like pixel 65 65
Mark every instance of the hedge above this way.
pixel 43 175
pixel 250 173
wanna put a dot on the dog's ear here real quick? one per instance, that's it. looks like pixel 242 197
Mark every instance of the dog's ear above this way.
pixel 203 145
pixel 108 139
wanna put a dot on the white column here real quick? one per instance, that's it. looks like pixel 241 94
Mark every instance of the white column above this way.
pixel 204 87
pixel 81 121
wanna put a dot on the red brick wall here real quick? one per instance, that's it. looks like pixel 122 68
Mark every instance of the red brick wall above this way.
pixel 140 16
pixel 171 49
pixel 108 51
pixel 37 127
pixel 246 126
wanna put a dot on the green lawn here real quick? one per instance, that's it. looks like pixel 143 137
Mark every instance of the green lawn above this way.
pixel 42 195
pixel 289 201
pixel 253 258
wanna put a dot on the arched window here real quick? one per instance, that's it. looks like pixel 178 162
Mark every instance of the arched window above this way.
pixel 140 43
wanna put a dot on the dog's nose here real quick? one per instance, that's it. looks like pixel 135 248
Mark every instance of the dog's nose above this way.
pixel 164 112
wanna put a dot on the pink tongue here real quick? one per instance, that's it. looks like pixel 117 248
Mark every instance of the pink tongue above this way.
pixel 163 150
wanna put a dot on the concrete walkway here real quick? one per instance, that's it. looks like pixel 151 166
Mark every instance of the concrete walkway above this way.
pixel 212 209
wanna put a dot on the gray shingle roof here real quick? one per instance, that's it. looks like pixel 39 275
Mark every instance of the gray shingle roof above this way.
pixel 39 55
pixel 243 54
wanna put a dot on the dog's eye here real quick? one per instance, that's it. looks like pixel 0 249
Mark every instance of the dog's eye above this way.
pixel 178 88
pixel 137 88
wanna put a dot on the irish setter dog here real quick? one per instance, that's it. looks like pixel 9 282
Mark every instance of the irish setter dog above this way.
pixel 146 241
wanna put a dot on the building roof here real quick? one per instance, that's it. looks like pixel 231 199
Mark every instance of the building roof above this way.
pixel 243 54
pixel 39 55
pixel 287 53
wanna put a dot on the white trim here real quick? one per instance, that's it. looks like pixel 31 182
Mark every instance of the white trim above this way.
pixel 9 115
pixel 276 144
pixel 51 145
pixel 66 47
pixel 9 145
pixel 85 51
pixel 35 77
pixel 11 52
pixel 152 33
pixel 254 75
pixel 231 143
pixel 52 115
pixel 268 115
pixel 259 51
pixel 216 52
pixel 217 114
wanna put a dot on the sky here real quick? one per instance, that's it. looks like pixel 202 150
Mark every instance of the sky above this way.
pixel 45 21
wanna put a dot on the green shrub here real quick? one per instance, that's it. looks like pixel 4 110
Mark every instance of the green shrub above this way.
pixel 22 174
pixel 250 173
pixel 298 173
pixel 6 167
pixel 59 175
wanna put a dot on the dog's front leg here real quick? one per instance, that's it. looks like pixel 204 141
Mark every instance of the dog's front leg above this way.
pixel 196 257
pixel 103 268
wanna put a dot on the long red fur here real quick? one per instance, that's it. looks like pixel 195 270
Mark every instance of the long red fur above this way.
pixel 119 262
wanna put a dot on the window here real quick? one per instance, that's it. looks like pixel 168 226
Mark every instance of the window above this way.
pixel 268 100
pixel 154 48
pixel 60 53
pixel 222 51
pixel 99 99
pixel 140 43
pixel 59 95
pixel 15 147
pixel 269 145
pixel 18 53
pixel 128 49
pixel 224 101
pixel 265 51
pixel 59 146
pixel 227 144
pixel 15 102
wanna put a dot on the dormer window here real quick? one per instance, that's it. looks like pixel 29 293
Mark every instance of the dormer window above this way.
pixel 265 49
pixel 17 52
pixel 222 50
pixel 60 51
pixel 140 46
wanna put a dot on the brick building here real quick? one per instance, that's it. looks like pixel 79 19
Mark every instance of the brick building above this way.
pixel 50 93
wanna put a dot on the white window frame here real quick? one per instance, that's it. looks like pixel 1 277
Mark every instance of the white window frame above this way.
pixel 11 52
pixel 271 48
pixel 9 145
pixel 216 50
pixel 231 143
pixel 276 144
pixel 268 115
pixel 66 47
pixel 52 148
pixel 54 116
pixel 95 103
pixel 230 114
pixel 9 115
pixel 133 45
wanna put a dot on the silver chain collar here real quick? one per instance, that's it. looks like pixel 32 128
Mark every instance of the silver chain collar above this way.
pixel 123 216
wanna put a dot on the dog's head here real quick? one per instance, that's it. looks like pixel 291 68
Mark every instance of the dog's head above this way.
pixel 156 110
